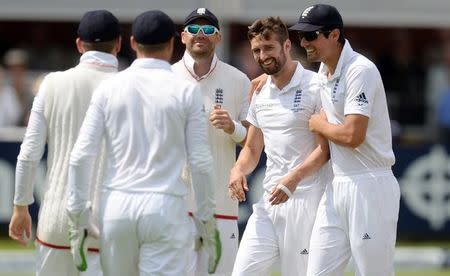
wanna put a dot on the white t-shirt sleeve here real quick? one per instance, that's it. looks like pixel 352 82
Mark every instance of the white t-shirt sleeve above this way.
pixel 251 115
pixel 31 150
pixel 360 91
pixel 244 99
pixel 84 152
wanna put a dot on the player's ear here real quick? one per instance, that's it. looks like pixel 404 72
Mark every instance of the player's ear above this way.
pixel 287 45
pixel 218 37
pixel 118 45
pixel 184 37
pixel 335 34
pixel 133 43
pixel 79 44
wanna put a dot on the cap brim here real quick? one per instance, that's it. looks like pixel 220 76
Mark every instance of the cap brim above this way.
pixel 305 27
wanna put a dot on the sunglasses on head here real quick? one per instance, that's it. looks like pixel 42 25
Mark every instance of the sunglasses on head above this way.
pixel 311 36
pixel 207 30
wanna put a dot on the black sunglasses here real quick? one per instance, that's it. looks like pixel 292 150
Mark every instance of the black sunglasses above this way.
pixel 311 36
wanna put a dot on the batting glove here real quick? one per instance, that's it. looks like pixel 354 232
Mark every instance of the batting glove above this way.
pixel 210 239
pixel 80 227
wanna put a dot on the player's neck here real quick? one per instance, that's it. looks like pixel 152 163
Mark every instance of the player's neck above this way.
pixel 284 76
pixel 202 65
pixel 333 60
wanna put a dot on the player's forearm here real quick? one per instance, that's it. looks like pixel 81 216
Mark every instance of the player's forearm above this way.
pixel 25 176
pixel 248 160
pixel 344 135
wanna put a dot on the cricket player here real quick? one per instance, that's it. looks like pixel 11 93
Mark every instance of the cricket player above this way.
pixel 223 90
pixel 56 117
pixel 281 224
pixel 358 214
pixel 152 121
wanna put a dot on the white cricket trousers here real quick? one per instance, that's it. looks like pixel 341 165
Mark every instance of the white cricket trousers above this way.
pixel 56 262
pixel 144 234
pixel 357 217
pixel 278 232
pixel 229 236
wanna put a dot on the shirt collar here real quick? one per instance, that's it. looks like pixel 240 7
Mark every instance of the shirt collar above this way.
pixel 294 82
pixel 346 52
pixel 150 63
pixel 189 62
pixel 100 59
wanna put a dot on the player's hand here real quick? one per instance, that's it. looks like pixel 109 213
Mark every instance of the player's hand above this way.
pixel 80 227
pixel 20 225
pixel 316 121
pixel 210 239
pixel 256 85
pixel 283 190
pixel 237 185
pixel 220 119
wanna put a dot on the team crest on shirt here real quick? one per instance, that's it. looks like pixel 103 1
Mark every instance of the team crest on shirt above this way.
pixel 333 93
pixel 218 100
pixel 296 105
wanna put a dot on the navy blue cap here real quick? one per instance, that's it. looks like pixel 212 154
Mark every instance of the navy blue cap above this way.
pixel 318 17
pixel 202 13
pixel 153 27
pixel 98 26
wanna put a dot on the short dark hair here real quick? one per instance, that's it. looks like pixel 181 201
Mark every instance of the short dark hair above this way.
pixel 268 26
pixel 104 46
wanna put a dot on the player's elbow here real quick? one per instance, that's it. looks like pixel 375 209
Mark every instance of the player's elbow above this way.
pixel 355 140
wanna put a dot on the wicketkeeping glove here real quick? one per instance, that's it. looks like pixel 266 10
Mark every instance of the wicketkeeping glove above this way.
pixel 210 239
pixel 80 227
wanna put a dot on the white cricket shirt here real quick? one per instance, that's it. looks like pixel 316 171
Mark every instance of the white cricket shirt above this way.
pixel 356 88
pixel 283 117
pixel 152 120
pixel 226 86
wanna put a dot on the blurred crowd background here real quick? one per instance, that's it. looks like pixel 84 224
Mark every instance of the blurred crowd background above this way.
pixel 414 63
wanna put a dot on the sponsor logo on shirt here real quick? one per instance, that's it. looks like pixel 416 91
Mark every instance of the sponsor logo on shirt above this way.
pixel 361 99
pixel 264 106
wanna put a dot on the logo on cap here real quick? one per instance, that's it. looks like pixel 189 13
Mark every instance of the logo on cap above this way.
pixel 306 11
pixel 201 10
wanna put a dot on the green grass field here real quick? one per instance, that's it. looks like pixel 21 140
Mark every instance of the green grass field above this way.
pixel 8 244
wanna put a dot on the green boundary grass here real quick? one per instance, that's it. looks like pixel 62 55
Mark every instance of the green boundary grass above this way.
pixel 9 244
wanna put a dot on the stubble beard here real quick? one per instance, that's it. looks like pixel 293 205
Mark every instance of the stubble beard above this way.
pixel 276 67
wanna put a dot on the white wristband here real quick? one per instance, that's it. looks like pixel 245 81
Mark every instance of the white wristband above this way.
pixel 239 132
pixel 285 190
